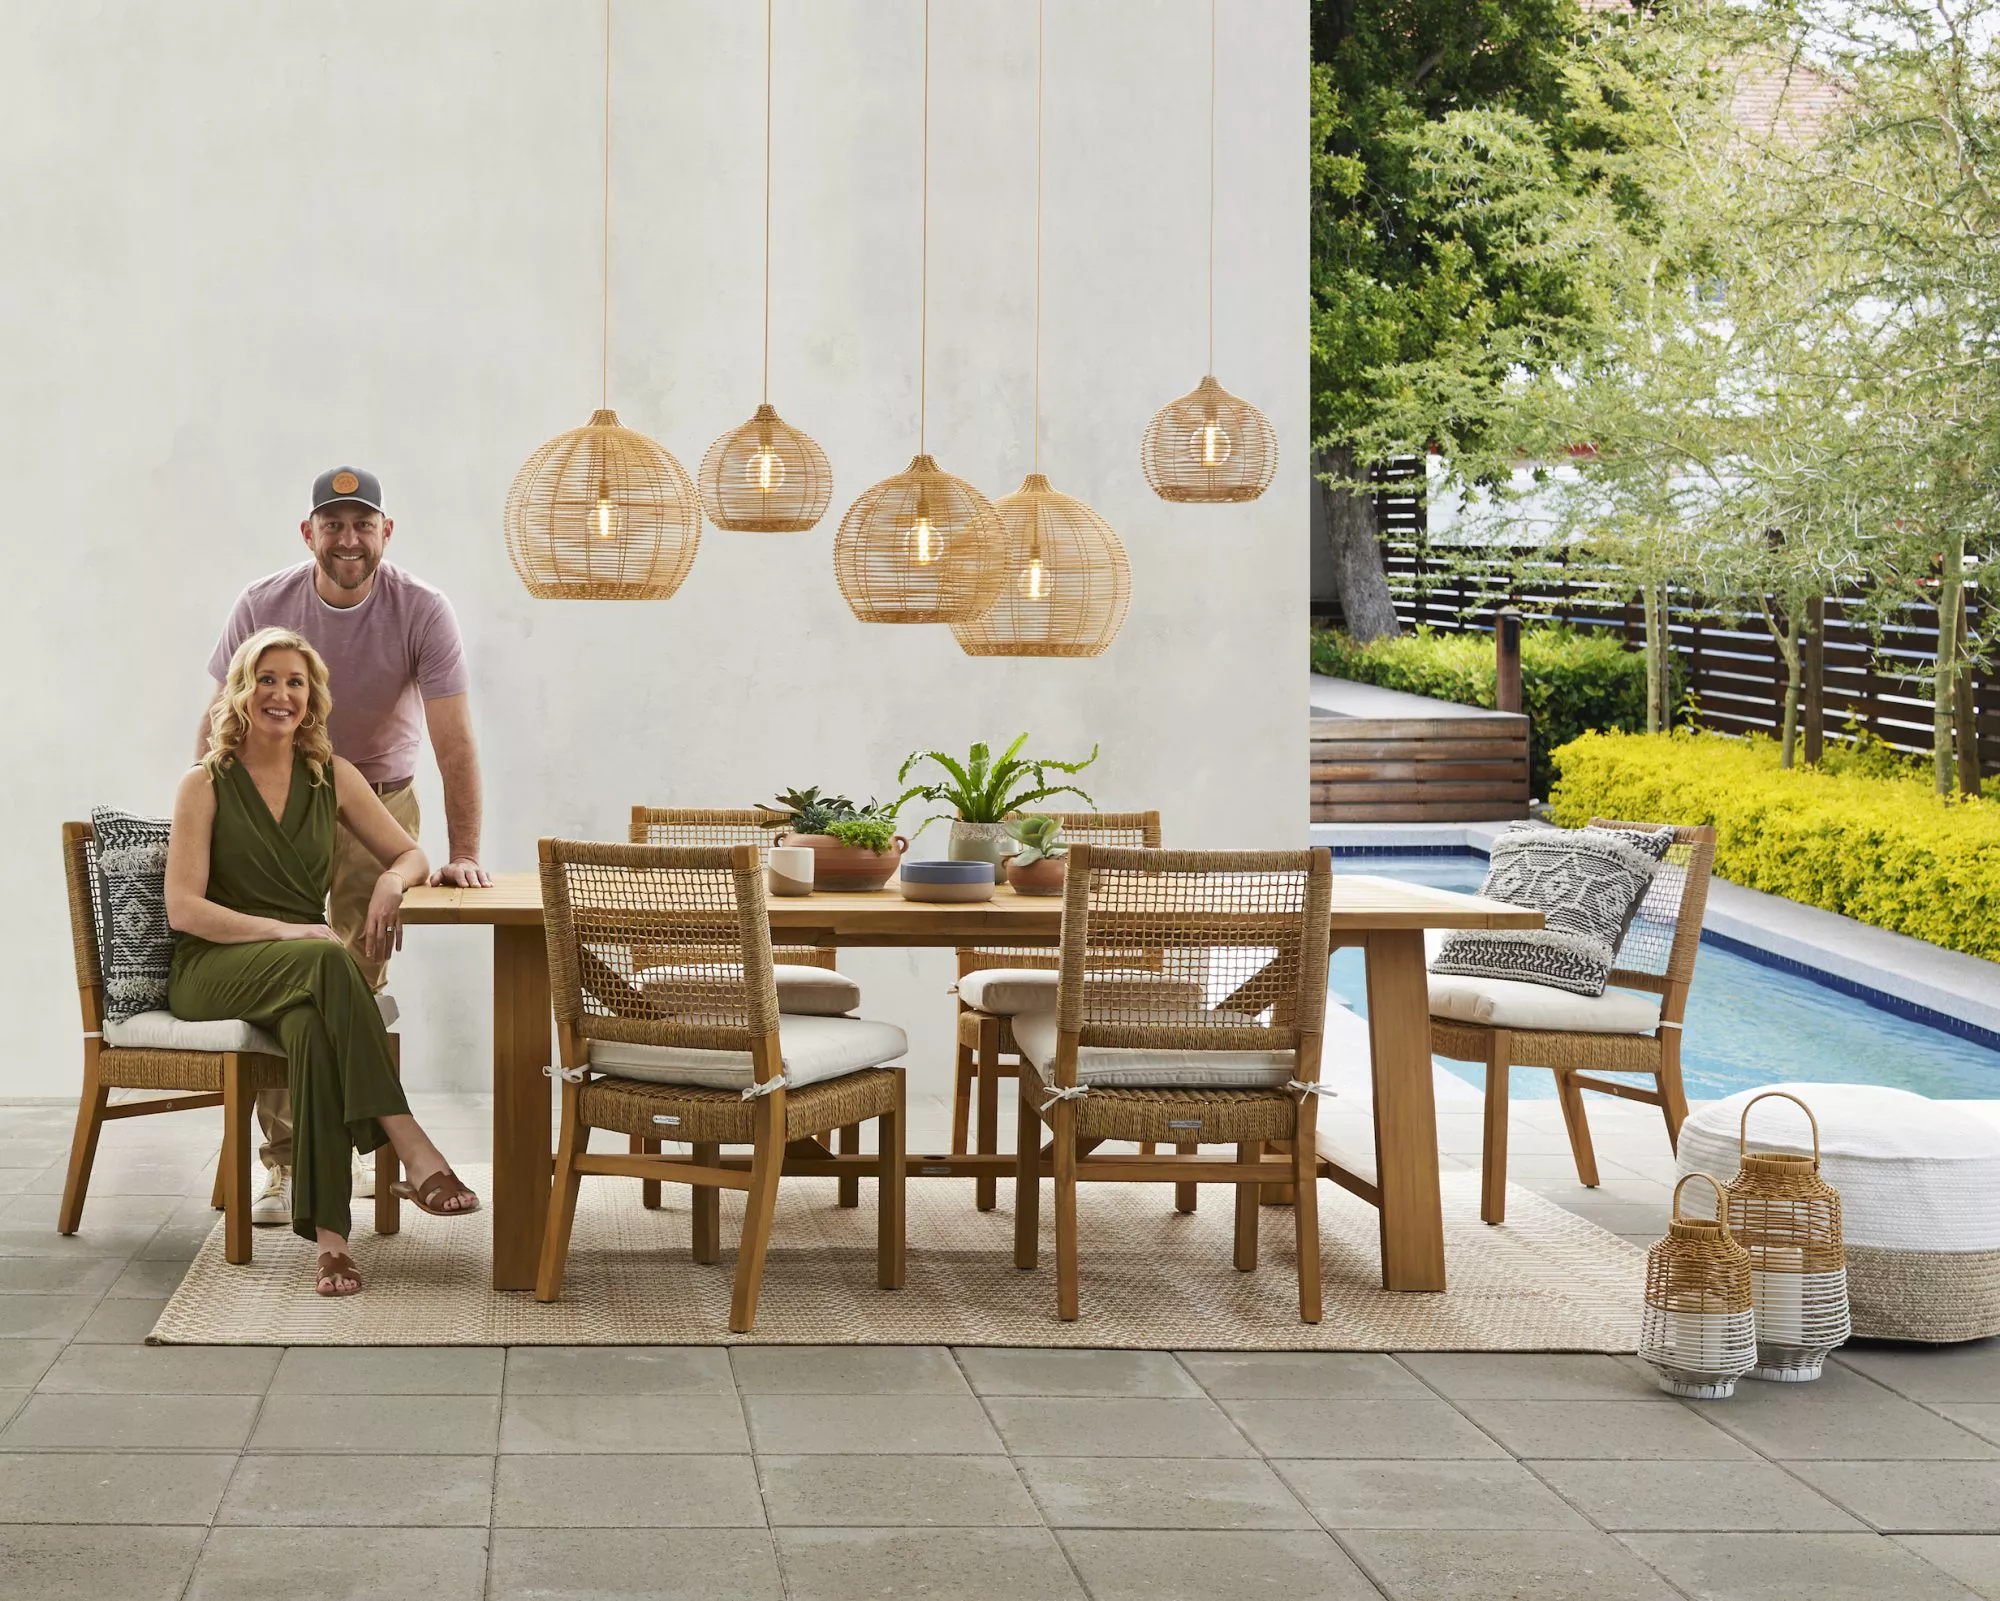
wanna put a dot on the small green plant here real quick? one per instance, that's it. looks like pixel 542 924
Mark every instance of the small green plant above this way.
pixel 807 811
pixel 867 830
pixel 1040 835
pixel 982 790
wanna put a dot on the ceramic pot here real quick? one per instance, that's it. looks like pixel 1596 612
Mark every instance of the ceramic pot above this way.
pixel 946 881
pixel 848 867
pixel 981 842
pixel 1043 877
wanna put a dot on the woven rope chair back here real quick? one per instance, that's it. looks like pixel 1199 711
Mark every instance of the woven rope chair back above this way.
pixel 1140 829
pixel 1241 938
pixel 659 944
pixel 86 935
pixel 717 825
pixel 1660 945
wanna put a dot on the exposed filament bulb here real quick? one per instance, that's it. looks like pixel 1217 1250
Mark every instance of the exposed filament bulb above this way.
pixel 765 471
pixel 925 543
pixel 1210 444
pixel 1034 580
pixel 604 516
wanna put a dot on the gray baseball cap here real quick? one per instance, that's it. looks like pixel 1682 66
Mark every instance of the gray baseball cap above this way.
pixel 347 483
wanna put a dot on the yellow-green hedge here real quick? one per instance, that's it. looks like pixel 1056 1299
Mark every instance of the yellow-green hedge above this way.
pixel 1885 851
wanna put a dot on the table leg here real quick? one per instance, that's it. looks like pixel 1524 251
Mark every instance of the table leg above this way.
pixel 521 1130
pixel 1406 1159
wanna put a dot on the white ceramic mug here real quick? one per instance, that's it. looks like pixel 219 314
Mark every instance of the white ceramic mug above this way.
pixel 788 869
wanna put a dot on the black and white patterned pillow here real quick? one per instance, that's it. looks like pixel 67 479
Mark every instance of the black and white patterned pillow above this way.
pixel 1587 883
pixel 135 945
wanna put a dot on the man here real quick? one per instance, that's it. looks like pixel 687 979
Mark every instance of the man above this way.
pixel 397 667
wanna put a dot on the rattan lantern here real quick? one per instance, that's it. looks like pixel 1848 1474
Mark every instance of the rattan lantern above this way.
pixel 1210 446
pixel 603 512
pixel 1788 1219
pixel 920 547
pixel 1698 1330
pixel 923 546
pixel 766 477
pixel 1067 585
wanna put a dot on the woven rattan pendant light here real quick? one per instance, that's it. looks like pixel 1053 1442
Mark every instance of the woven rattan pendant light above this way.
pixel 1067 584
pixel 766 477
pixel 923 546
pixel 1209 446
pixel 603 512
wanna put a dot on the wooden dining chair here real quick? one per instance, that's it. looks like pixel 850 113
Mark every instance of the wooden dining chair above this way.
pixel 1507 1024
pixel 1230 1058
pixel 997 984
pixel 724 825
pixel 207 1064
pixel 706 1058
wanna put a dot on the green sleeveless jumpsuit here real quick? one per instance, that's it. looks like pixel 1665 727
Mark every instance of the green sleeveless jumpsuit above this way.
pixel 308 993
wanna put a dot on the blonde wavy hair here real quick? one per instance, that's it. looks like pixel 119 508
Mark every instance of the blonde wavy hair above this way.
pixel 229 718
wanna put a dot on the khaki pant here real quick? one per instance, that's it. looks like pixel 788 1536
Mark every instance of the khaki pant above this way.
pixel 355 872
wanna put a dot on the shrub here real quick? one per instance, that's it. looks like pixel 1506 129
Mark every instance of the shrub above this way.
pixel 1883 850
pixel 1571 681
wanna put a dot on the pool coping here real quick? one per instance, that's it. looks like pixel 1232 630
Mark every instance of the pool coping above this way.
pixel 1898 973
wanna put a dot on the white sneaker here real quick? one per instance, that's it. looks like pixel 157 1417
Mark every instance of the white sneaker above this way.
pixel 364 1177
pixel 275 1204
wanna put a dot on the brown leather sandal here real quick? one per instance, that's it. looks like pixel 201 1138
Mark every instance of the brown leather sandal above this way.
pixel 443 1185
pixel 337 1265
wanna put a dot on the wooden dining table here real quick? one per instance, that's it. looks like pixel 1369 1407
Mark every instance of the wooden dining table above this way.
pixel 1385 917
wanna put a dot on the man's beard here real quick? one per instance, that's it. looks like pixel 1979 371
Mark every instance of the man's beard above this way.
pixel 368 566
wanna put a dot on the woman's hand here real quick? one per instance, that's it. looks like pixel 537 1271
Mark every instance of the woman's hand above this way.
pixel 383 932
pixel 304 931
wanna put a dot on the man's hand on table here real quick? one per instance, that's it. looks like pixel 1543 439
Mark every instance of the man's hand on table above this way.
pixel 462 872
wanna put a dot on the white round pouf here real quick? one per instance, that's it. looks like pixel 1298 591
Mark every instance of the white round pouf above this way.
pixel 1919 1187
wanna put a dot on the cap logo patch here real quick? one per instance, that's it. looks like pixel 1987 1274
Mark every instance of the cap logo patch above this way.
pixel 345 483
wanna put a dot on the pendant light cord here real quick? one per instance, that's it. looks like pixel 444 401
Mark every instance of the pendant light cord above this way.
pixel 1038 237
pixel 1211 187
pixel 924 276
pixel 604 288
pixel 767 200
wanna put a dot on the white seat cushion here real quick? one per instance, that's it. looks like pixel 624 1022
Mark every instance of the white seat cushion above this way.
pixel 1010 991
pixel 162 1031
pixel 815 1049
pixel 1511 1003
pixel 1119 1068
pixel 802 990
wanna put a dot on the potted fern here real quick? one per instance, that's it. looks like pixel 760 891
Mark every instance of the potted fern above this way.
pixel 1037 868
pixel 854 847
pixel 982 793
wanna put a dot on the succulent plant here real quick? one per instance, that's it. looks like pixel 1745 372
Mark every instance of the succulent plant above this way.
pixel 806 811
pixel 1040 836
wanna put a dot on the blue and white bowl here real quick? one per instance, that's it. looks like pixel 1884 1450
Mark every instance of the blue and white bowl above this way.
pixel 946 881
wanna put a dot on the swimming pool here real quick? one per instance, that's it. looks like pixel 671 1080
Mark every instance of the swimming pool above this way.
pixel 1747 1024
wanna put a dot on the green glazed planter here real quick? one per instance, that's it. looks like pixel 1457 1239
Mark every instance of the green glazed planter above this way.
pixel 981 842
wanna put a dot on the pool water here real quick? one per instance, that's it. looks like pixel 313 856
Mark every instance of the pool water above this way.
pixel 1747 1024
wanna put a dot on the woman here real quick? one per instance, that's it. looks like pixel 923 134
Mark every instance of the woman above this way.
pixel 248 867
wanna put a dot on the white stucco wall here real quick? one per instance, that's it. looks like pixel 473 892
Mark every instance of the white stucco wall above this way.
pixel 246 241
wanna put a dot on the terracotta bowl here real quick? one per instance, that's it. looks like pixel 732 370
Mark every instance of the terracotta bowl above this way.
pixel 1044 877
pixel 848 867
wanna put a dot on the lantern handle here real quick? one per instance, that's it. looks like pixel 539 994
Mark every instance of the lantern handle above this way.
pixel 1721 1201
pixel 1743 1129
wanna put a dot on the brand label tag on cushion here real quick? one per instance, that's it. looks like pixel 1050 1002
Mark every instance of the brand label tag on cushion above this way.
pixel 671 1122
pixel 1191 1122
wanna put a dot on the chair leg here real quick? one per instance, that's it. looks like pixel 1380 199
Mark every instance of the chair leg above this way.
pixel 1673 1097
pixel 1027 1177
pixel 707 1202
pixel 236 1104
pixel 1248 1198
pixel 850 1183
pixel 890 1137
pixel 1305 1203
pixel 562 1200
pixel 83 1146
pixel 649 1189
pixel 388 1205
pixel 1186 1195
pixel 1493 1161
pixel 1577 1121
pixel 1062 1127
pixel 215 1195
pixel 767 1160
pixel 961 1099
pixel 986 1187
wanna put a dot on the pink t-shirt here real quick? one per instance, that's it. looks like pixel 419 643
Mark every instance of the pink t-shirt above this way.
pixel 384 658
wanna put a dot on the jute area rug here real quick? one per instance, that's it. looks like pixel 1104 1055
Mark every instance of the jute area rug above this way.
pixel 1152 1278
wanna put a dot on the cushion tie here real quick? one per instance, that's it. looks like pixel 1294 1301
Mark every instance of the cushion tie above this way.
pixel 1074 1092
pixel 1314 1088
pixel 569 1075
pixel 770 1086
